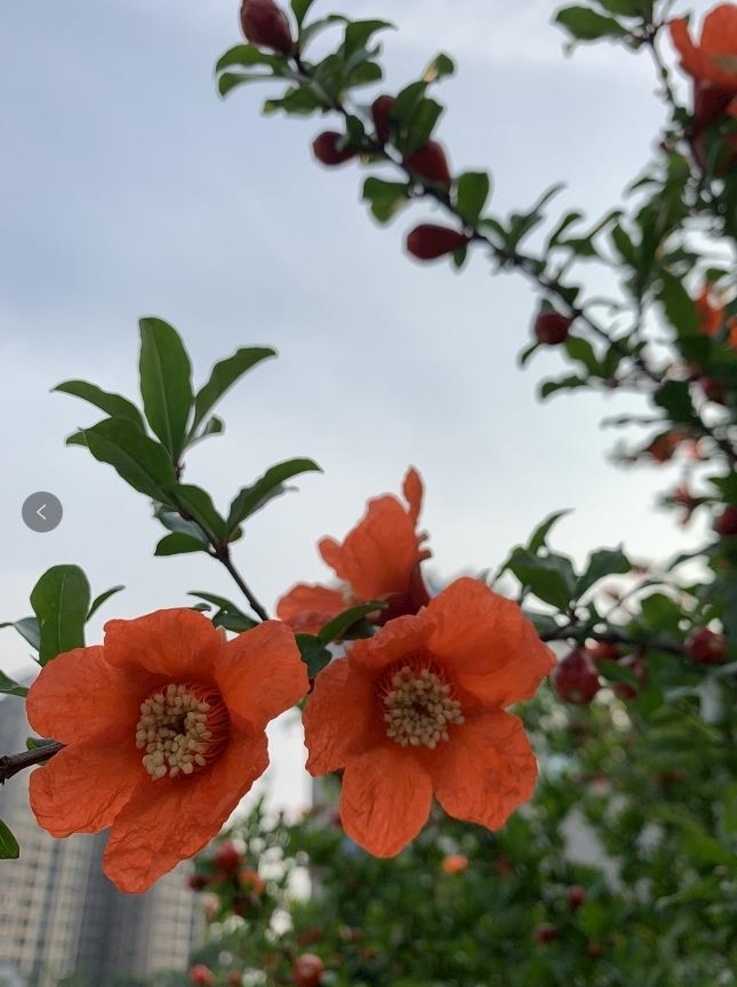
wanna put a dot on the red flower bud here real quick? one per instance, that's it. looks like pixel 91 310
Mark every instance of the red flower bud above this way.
pixel 228 857
pixel 307 970
pixel 428 241
pixel 198 882
pixel 705 647
pixel 265 24
pixel 713 390
pixel 551 328
pixel 725 524
pixel 575 679
pixel 381 109
pixel 429 163
pixel 327 148
pixel 201 975
pixel 604 651
pixel 576 897
pixel 545 933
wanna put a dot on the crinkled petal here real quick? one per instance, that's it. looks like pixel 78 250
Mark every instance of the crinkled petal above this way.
pixel 402 637
pixel 486 644
pixel 413 490
pixel 485 770
pixel 341 717
pixel 308 607
pixel 171 819
pixel 79 695
pixel 378 555
pixel 260 674
pixel 385 800
pixel 83 787
pixel 181 644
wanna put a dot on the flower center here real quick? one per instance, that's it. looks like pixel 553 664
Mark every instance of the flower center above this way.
pixel 418 705
pixel 182 728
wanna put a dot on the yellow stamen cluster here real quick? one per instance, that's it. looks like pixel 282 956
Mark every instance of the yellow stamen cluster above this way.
pixel 418 706
pixel 180 729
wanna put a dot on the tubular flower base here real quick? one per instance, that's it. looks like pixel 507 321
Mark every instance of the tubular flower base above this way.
pixel 164 726
pixel 418 710
pixel 379 559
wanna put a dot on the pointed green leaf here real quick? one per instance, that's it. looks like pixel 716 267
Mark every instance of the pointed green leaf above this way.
pixel 300 9
pixel 28 629
pixel 140 461
pixel 472 191
pixel 385 198
pixel 359 33
pixel 540 534
pixel 102 598
pixel 166 383
pixel 61 602
pixel 442 65
pixel 247 56
pixel 551 578
pixel 197 505
pixel 314 653
pixel 9 686
pixel 113 405
pixel 178 544
pixel 232 621
pixel 604 562
pixel 9 849
pixel 336 629
pixel 223 375
pixel 585 24
pixel 231 80
pixel 271 484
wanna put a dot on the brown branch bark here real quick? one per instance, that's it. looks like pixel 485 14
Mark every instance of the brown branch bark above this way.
pixel 11 764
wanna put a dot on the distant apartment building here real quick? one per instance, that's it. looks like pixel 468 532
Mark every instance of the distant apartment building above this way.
pixel 60 915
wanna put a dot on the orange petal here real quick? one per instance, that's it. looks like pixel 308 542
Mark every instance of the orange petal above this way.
pixel 486 644
pixel 713 61
pixel 79 695
pixel 385 800
pixel 180 644
pixel 307 607
pixel 83 787
pixel 341 718
pixel 378 555
pixel 399 638
pixel 260 674
pixel 171 819
pixel 485 770
pixel 413 490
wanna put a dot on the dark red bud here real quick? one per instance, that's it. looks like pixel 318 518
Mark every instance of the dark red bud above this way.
pixel 575 679
pixel 545 933
pixel 381 109
pixel 266 25
pixel 429 163
pixel 551 328
pixel 428 241
pixel 328 150
pixel 713 390
pixel 725 524
pixel 576 897
pixel 228 857
pixel 705 647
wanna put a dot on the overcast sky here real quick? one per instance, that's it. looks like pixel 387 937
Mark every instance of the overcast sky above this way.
pixel 130 188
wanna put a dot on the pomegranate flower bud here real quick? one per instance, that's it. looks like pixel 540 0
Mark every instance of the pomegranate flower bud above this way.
pixel 575 679
pixel 381 109
pixel 430 164
pixel 266 25
pixel 551 328
pixel 428 241
pixel 326 148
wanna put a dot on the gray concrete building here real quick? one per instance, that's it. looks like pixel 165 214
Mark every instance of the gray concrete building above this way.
pixel 60 915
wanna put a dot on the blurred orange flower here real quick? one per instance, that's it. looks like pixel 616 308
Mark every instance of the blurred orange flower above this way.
pixel 418 710
pixel 712 316
pixel 712 64
pixel 164 726
pixel 454 863
pixel 379 559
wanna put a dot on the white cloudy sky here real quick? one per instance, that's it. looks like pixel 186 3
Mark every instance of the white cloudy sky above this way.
pixel 129 188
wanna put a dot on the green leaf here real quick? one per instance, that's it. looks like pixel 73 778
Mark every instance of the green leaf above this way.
pixel 314 653
pixel 300 9
pixel 28 629
pixel 472 191
pixel 248 56
pixel 570 383
pixel 297 101
pixel 222 377
pixel 680 309
pixel 9 686
pixel 675 397
pixel 540 534
pixel 140 461
pixel 179 544
pixel 364 74
pixel 61 602
pixel 166 383
pixel 335 630
pixel 628 8
pixel 311 30
pixel 582 351
pixel 271 484
pixel 419 127
pixel 385 198
pixel 567 220
pixel 229 81
pixel 102 598
pixel 440 67
pixel 197 504
pixel 527 352
pixel 604 562
pixel 359 33
pixel 9 849
pixel 550 578
pixel 584 24
pixel 112 404
pixel 228 615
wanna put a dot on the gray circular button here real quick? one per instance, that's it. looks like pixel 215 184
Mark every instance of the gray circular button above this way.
pixel 42 511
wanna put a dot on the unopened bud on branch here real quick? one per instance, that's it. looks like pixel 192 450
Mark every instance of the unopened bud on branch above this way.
pixel 430 164
pixel 327 148
pixel 265 24
pixel 428 241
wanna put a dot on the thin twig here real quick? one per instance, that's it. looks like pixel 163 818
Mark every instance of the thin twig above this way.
pixel 11 764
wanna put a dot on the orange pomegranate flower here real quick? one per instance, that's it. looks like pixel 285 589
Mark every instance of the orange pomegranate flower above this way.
pixel 164 726
pixel 712 316
pixel 418 711
pixel 712 63
pixel 379 559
